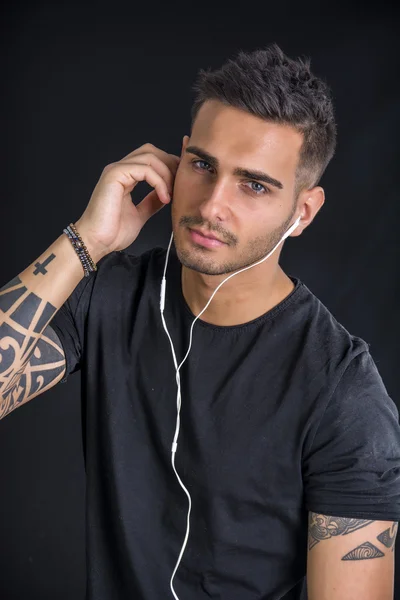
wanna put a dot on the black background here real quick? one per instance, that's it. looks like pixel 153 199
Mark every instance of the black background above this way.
pixel 83 85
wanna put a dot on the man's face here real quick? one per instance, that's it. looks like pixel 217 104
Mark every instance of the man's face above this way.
pixel 248 214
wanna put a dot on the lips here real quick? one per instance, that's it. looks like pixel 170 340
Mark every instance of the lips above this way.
pixel 210 237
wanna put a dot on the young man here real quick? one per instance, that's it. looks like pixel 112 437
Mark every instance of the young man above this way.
pixel 289 445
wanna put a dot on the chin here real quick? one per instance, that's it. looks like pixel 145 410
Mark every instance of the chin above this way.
pixel 207 264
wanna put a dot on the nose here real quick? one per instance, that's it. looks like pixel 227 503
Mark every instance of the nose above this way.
pixel 215 205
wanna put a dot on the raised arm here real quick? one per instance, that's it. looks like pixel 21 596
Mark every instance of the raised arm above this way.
pixel 31 356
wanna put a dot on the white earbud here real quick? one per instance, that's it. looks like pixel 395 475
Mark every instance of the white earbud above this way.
pixel 292 228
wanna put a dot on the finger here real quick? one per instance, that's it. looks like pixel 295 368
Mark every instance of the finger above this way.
pixel 149 206
pixel 167 172
pixel 128 175
pixel 169 159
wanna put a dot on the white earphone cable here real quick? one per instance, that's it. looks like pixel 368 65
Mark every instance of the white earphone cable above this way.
pixel 178 398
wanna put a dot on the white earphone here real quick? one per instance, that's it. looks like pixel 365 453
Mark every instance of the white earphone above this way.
pixel 178 398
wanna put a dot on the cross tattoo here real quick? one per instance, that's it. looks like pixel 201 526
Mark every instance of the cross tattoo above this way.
pixel 40 267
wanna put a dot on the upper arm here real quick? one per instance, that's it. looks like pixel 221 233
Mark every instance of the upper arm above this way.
pixel 350 558
pixel 45 368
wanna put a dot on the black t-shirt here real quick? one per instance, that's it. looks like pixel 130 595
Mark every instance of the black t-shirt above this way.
pixel 280 416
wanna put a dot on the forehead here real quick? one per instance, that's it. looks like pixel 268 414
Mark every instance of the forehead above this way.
pixel 238 138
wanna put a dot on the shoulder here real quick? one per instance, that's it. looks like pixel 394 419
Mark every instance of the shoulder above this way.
pixel 122 266
pixel 119 274
pixel 330 343
pixel 129 261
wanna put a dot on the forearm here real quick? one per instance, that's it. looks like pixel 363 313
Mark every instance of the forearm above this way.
pixel 27 305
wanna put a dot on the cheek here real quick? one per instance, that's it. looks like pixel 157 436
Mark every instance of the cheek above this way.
pixel 184 188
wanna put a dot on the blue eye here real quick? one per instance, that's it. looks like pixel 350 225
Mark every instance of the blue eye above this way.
pixel 259 192
pixel 201 161
pixel 263 189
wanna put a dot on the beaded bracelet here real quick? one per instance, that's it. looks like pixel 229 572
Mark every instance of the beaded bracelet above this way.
pixel 89 258
pixel 80 248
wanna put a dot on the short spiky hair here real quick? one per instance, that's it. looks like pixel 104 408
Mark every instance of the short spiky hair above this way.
pixel 270 85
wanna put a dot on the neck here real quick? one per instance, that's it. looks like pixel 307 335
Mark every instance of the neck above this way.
pixel 243 298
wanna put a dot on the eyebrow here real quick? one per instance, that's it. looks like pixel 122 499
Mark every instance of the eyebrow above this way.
pixel 239 171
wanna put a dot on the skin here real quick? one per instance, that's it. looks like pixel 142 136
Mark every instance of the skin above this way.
pixel 249 215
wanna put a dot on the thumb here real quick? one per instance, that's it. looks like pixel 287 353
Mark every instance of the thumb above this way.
pixel 149 206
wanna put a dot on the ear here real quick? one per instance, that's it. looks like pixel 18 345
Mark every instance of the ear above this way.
pixel 185 141
pixel 309 203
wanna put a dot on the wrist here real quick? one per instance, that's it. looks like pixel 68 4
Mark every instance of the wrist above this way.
pixel 96 250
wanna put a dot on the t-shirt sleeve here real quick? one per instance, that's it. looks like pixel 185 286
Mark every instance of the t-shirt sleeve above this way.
pixel 353 467
pixel 69 324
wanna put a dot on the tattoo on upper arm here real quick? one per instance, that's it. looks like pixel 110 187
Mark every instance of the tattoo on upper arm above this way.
pixel 364 551
pixel 323 527
pixel 388 537
pixel 26 344
pixel 40 267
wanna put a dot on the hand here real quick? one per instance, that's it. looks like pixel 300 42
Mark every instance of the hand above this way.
pixel 111 221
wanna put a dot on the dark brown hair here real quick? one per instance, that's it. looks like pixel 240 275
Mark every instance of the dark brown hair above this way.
pixel 270 85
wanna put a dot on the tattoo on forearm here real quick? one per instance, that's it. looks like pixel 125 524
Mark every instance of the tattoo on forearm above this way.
pixel 40 267
pixel 323 527
pixel 37 357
